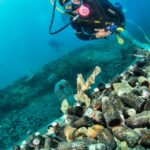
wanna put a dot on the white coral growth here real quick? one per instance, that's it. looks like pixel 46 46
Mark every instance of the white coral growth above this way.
pixel 82 86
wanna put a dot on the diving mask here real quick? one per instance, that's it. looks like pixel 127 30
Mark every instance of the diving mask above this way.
pixel 69 6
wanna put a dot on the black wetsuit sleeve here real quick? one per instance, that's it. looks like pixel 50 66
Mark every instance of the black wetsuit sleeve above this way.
pixel 78 29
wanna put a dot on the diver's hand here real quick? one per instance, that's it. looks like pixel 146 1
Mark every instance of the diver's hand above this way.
pixel 102 33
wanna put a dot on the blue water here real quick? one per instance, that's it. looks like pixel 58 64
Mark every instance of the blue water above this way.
pixel 24 38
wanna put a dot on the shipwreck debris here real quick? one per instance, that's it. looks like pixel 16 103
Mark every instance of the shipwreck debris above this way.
pixel 104 118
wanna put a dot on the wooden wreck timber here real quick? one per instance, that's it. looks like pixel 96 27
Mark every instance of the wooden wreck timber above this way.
pixel 126 123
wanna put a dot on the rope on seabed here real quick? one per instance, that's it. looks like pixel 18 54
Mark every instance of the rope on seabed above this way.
pixel 140 28
pixel 127 35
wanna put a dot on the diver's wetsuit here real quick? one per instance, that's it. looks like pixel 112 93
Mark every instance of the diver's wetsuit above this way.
pixel 101 10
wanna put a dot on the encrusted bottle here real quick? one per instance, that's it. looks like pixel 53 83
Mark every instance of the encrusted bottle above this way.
pixel 123 133
pixel 133 101
pixel 111 115
pixel 139 120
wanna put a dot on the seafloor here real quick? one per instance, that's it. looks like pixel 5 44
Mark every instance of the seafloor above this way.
pixel 32 102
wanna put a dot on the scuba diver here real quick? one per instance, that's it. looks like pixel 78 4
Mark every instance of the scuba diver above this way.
pixel 92 19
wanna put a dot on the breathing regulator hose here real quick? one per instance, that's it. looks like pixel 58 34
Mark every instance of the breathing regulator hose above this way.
pixel 58 9
pixel 52 20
